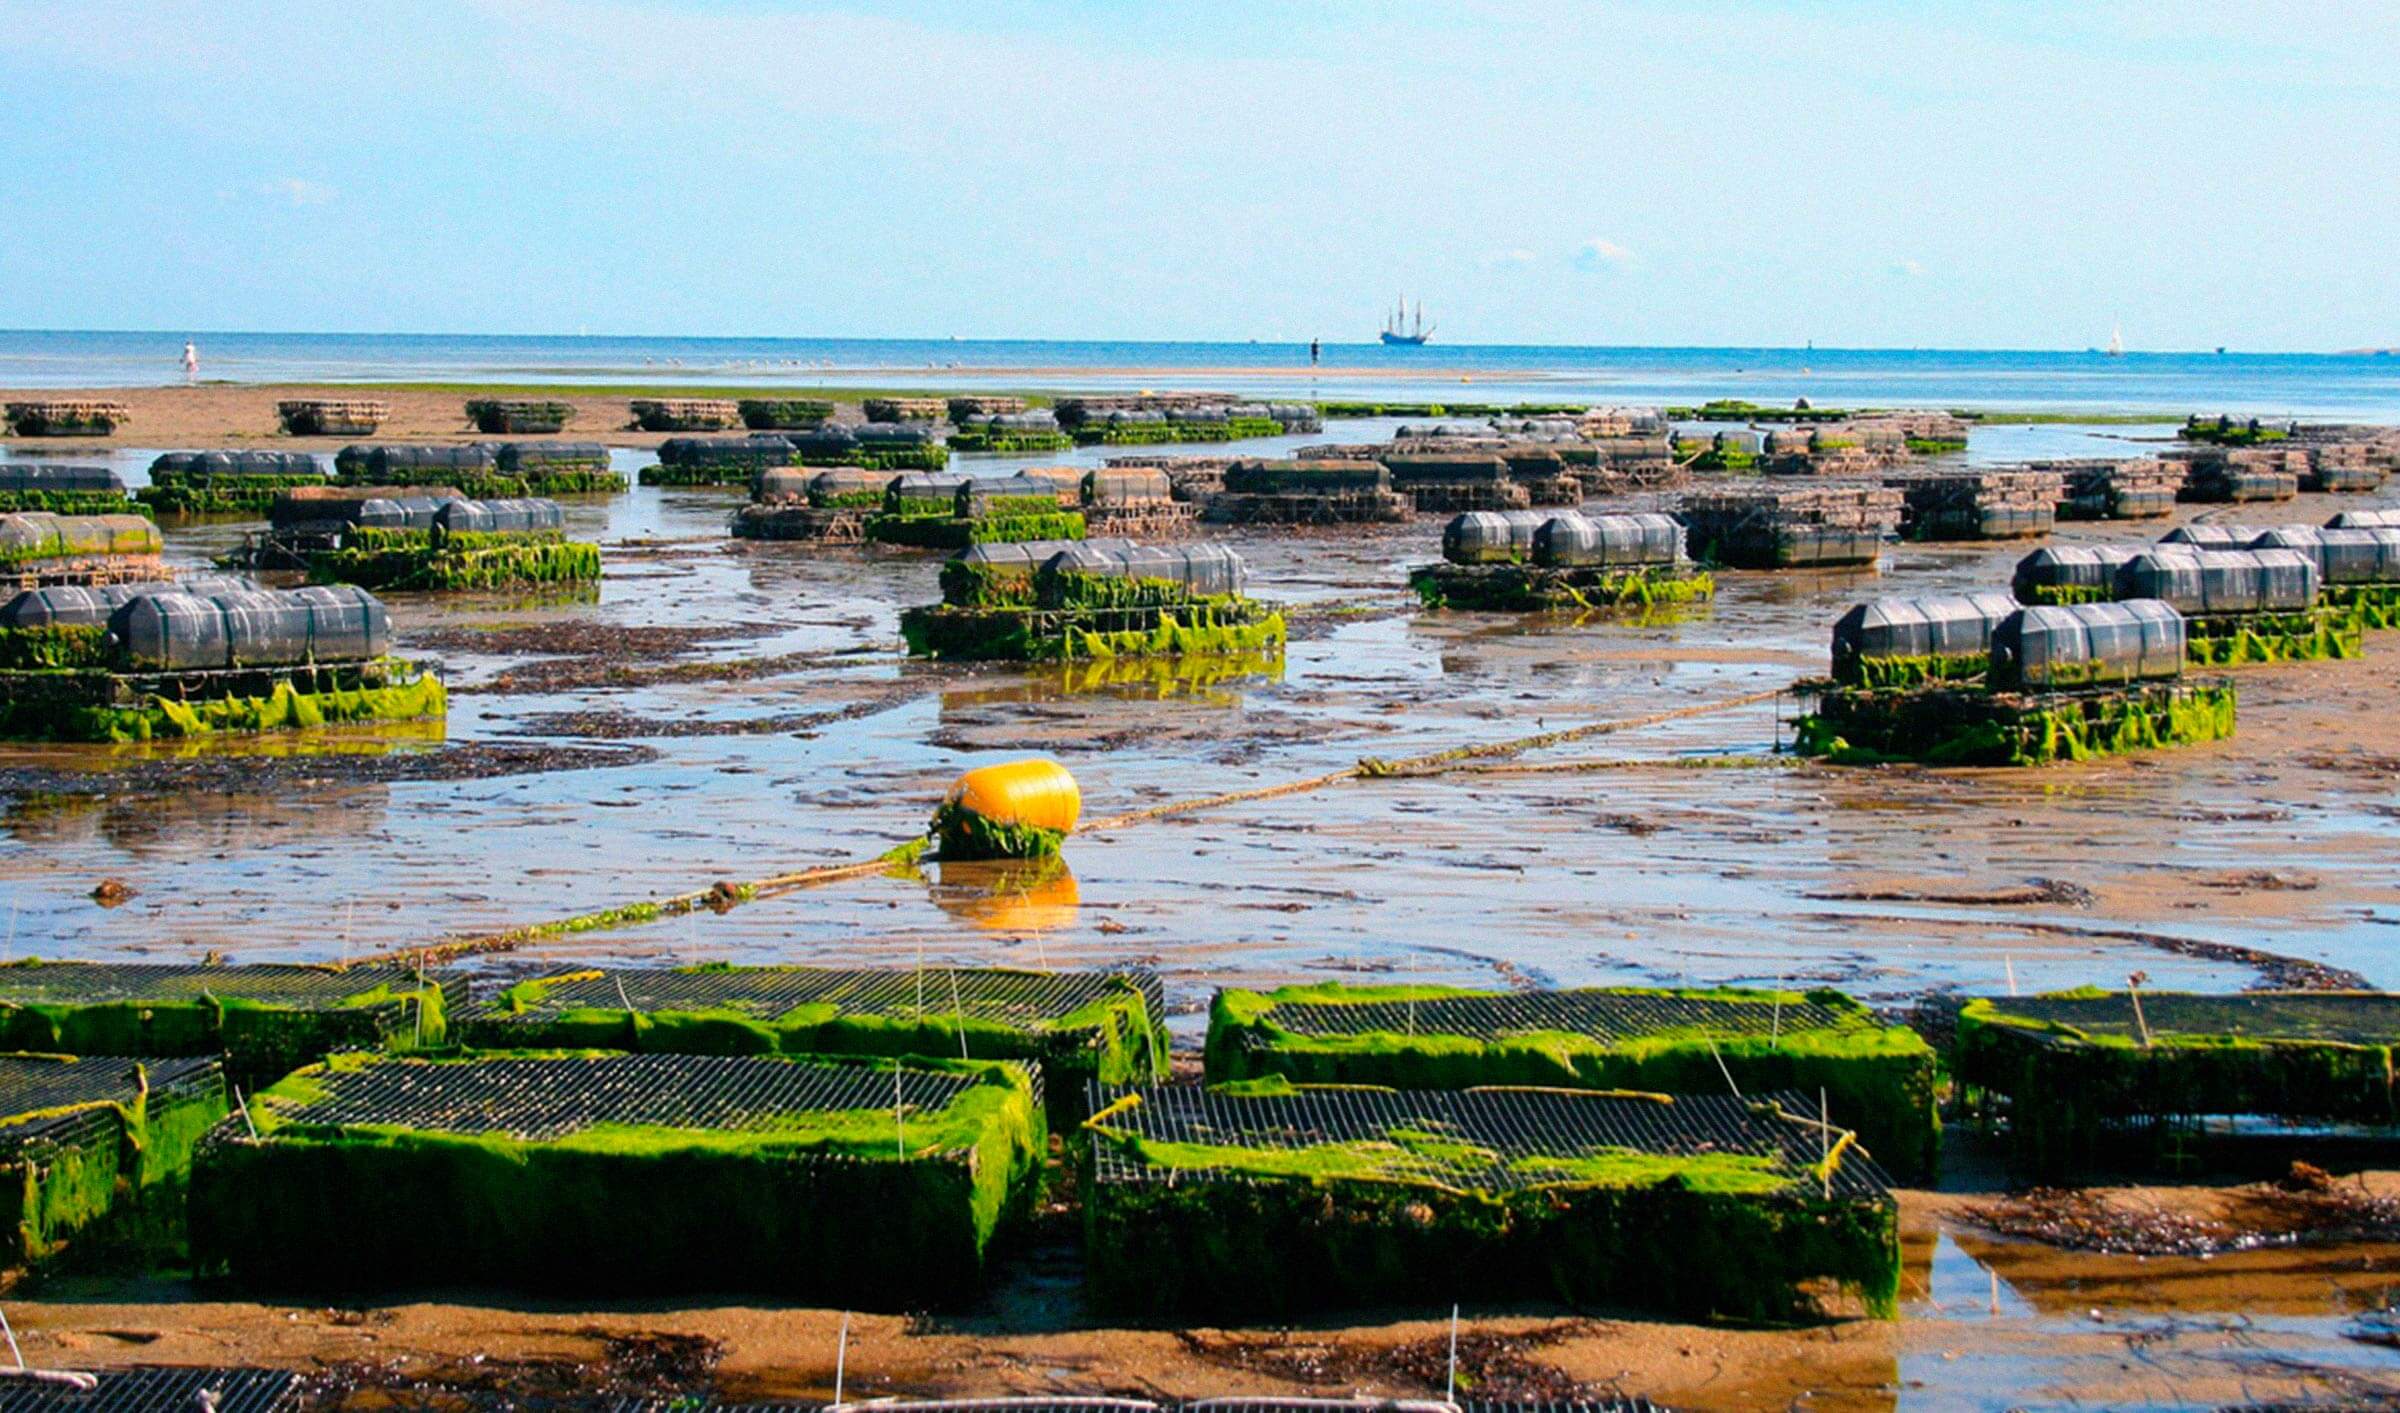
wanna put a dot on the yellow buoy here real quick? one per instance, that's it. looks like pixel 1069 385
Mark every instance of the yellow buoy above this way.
pixel 1017 809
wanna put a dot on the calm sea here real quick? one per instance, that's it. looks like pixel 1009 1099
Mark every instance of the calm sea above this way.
pixel 2359 386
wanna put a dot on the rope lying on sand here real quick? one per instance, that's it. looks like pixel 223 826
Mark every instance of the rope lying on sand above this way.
pixel 723 896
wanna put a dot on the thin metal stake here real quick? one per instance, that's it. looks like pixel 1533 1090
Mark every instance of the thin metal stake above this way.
pixel 841 1359
pixel 1721 1069
pixel 899 1120
pixel 1995 1275
pixel 2011 963
pixel 238 1104
pixel 2133 988
pixel 1825 1142
pixel 13 1352
pixel 1775 1039
pixel 1450 1392
pixel 960 1011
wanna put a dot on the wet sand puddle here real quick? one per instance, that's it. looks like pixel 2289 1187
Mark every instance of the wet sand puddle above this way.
pixel 603 752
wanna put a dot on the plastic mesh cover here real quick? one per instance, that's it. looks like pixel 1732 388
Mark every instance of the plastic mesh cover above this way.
pixel 31 1086
pixel 1021 999
pixel 60 478
pixel 159 1391
pixel 92 983
pixel 1944 625
pixel 546 1098
pixel 1490 1139
pixel 2343 1018
pixel 1602 540
pixel 2081 644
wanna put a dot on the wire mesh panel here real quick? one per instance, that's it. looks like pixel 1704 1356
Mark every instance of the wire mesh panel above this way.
pixel 1024 999
pixel 1879 1077
pixel 42 1097
pixel 94 983
pixel 159 1390
pixel 1604 1015
pixel 1143 1405
pixel 544 1098
pixel 1078 1025
pixel 1481 1140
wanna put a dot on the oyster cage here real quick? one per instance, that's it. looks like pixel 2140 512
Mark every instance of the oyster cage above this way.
pixel 41 1099
pixel 1079 1025
pixel 95 1151
pixel 876 1183
pixel 159 1390
pixel 1025 1000
pixel 1879 1077
pixel 296 1016
pixel 2092 1080
pixel 1273 1201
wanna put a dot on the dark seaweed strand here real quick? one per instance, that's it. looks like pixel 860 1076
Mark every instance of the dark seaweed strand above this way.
pixel 1599 1014
pixel 29 1086
pixel 1015 998
pixel 536 1099
pixel 159 1390
pixel 2305 1015
pixel 1513 1123
pixel 84 983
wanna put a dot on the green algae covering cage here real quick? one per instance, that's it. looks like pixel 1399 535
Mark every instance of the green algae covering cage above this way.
pixel 2080 1068
pixel 1080 1026
pixel 1879 1077
pixel 863 1182
pixel 97 1150
pixel 267 1020
pixel 1272 1200
pixel 161 1389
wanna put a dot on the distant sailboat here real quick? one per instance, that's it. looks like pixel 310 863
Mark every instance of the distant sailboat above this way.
pixel 1396 330
pixel 2116 342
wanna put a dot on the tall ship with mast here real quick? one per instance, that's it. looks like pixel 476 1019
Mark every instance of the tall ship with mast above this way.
pixel 1399 330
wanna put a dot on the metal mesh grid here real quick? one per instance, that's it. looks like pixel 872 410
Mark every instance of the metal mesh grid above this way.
pixel 2346 1018
pixel 1604 1015
pixel 1139 1405
pixel 1021 999
pixel 35 1086
pixel 159 1391
pixel 1482 1138
pixel 90 983
pixel 546 1098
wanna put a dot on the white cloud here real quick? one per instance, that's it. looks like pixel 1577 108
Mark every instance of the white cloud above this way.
pixel 297 191
pixel 1599 253
pixel 1509 259
pixel 1910 268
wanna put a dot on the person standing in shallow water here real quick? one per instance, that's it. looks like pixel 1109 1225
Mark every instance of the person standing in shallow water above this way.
pixel 1314 348
pixel 191 362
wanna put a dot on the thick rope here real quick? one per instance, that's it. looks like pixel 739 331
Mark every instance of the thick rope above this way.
pixel 723 896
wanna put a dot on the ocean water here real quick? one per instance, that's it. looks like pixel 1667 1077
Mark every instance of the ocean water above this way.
pixel 2354 386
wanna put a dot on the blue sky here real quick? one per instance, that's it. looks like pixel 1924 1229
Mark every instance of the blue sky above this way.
pixel 2020 175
